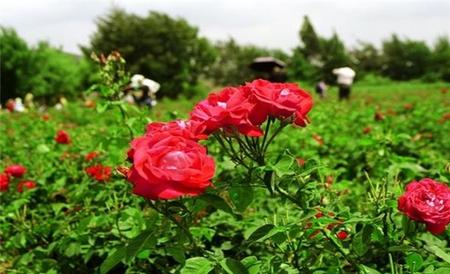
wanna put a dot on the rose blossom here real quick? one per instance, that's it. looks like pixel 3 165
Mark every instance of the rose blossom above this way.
pixel 16 171
pixel 228 108
pixel 4 182
pixel 26 184
pixel 62 137
pixel 167 166
pixel 99 172
pixel 279 100
pixel 427 201
pixel 188 129
pixel 91 156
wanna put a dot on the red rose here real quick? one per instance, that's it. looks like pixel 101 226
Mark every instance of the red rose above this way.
pixel 99 172
pixel 342 235
pixel 428 202
pixel 26 184
pixel 62 137
pixel 91 156
pixel 188 129
pixel 167 167
pixel 4 182
pixel 229 109
pixel 15 170
pixel 279 100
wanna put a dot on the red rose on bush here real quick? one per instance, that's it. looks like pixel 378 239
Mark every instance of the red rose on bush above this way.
pixel 188 129
pixel 167 167
pixel 279 100
pixel 62 137
pixel 229 108
pixel 4 182
pixel 25 184
pixel 342 235
pixel 99 172
pixel 16 171
pixel 91 156
pixel 428 202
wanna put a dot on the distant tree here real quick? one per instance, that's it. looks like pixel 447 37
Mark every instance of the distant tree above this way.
pixel 14 59
pixel 334 55
pixel 232 63
pixel 162 48
pixel 43 70
pixel 311 45
pixel 405 60
pixel 53 73
pixel 440 59
pixel 366 58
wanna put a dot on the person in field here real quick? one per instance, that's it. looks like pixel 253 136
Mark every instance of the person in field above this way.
pixel 143 91
pixel 345 76
pixel 321 88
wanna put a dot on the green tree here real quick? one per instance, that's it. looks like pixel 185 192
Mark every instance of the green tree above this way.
pixel 14 59
pixel 162 48
pixel 440 59
pixel 231 66
pixel 311 45
pixel 334 55
pixel 405 60
pixel 366 58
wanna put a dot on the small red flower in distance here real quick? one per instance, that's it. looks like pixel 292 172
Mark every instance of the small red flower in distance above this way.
pixel 318 139
pixel 91 156
pixel 166 167
pixel 99 172
pixel 342 235
pixel 408 106
pixel 45 117
pixel 379 116
pixel 367 130
pixel 300 162
pixel 16 171
pixel 62 137
pixel 4 182
pixel 25 184
pixel 427 201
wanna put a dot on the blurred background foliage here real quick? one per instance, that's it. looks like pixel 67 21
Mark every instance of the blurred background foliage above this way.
pixel 171 51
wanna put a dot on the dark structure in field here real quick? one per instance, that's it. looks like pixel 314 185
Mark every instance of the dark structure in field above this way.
pixel 269 68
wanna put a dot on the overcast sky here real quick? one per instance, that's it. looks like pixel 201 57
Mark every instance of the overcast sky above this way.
pixel 273 24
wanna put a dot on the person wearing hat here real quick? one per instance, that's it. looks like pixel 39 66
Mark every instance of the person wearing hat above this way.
pixel 345 76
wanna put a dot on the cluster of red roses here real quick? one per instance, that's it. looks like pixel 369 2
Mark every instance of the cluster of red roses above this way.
pixel 97 171
pixel 168 162
pixel 11 172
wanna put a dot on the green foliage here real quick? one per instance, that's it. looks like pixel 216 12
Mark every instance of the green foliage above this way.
pixel 71 223
pixel 44 71
pixel 232 63
pixel 167 50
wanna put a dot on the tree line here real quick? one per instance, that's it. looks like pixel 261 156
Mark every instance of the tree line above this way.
pixel 171 51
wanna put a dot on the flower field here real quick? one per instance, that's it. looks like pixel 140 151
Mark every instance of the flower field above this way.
pixel 261 178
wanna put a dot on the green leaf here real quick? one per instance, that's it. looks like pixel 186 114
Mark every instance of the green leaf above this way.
pixel 102 107
pixel 197 265
pixel 112 260
pixel 177 253
pixel 217 202
pixel 438 252
pixel 232 266
pixel 136 244
pixel 361 240
pixel 368 270
pixel 241 196
pixel 442 270
pixel 252 264
pixel 414 261
pixel 262 232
